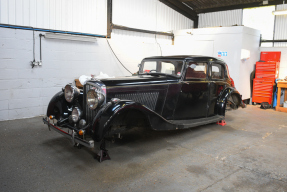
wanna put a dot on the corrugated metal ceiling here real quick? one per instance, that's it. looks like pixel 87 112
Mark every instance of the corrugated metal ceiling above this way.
pixel 191 8
pixel 200 5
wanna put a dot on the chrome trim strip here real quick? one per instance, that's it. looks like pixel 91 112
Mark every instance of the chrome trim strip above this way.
pixel 75 139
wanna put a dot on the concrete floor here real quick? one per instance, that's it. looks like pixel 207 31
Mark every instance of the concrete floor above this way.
pixel 248 154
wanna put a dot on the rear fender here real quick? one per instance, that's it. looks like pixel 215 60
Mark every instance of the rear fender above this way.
pixel 224 96
pixel 109 112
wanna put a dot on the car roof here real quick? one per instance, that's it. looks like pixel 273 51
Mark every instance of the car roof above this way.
pixel 184 57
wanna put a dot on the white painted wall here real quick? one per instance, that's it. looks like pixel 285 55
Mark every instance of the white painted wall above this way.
pixel 280 27
pixel 220 18
pixel 283 62
pixel 208 41
pixel 87 16
pixel 149 15
pixel 90 16
pixel 25 92
pixel 132 47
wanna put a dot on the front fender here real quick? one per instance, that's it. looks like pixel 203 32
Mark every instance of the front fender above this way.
pixel 109 112
pixel 224 96
pixel 58 106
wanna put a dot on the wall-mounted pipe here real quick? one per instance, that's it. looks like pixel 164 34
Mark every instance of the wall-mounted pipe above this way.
pixel 274 41
pixel 41 35
pixel 109 17
pixel 33 62
pixel 141 30
pixel 49 30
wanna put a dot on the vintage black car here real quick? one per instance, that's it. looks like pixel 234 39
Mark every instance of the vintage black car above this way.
pixel 169 93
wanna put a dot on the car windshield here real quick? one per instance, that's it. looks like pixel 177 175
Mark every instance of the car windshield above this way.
pixel 162 67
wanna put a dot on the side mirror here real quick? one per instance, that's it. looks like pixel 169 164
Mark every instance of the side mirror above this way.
pixel 139 65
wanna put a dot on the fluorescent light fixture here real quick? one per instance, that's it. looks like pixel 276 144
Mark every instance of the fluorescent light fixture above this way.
pixel 281 12
pixel 187 5
pixel 70 37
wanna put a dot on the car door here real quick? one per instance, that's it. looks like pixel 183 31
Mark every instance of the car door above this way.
pixel 217 83
pixel 193 97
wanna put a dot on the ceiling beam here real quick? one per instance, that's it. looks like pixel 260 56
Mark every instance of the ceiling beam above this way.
pixel 174 5
pixel 179 4
pixel 241 6
pixel 182 9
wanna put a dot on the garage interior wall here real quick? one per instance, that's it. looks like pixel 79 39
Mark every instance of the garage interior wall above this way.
pixel 26 91
pixel 149 15
pixel 280 33
pixel 132 47
pixel 88 16
pixel 233 17
pixel 220 18
pixel 280 27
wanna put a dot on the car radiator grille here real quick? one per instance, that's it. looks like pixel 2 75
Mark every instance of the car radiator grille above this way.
pixel 89 114
pixel 147 99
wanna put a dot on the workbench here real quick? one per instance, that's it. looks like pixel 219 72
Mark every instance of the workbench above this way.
pixel 281 84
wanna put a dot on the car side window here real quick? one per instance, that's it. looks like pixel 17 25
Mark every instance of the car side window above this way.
pixel 195 71
pixel 217 71
pixel 150 66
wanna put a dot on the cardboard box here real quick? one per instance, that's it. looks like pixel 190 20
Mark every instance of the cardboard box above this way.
pixel 78 84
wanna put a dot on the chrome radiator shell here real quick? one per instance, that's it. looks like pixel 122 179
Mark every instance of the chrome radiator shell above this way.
pixel 89 114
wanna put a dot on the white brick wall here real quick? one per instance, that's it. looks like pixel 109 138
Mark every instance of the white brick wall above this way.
pixel 26 92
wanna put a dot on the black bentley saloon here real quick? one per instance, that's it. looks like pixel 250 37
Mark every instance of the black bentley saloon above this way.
pixel 168 93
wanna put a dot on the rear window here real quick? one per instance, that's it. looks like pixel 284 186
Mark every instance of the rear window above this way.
pixel 217 71
pixel 195 71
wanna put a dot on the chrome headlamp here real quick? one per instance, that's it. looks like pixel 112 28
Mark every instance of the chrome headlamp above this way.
pixel 94 99
pixel 76 114
pixel 71 93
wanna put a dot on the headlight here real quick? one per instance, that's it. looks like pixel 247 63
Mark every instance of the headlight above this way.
pixel 94 99
pixel 76 114
pixel 71 93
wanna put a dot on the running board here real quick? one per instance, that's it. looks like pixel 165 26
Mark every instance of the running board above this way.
pixel 183 124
